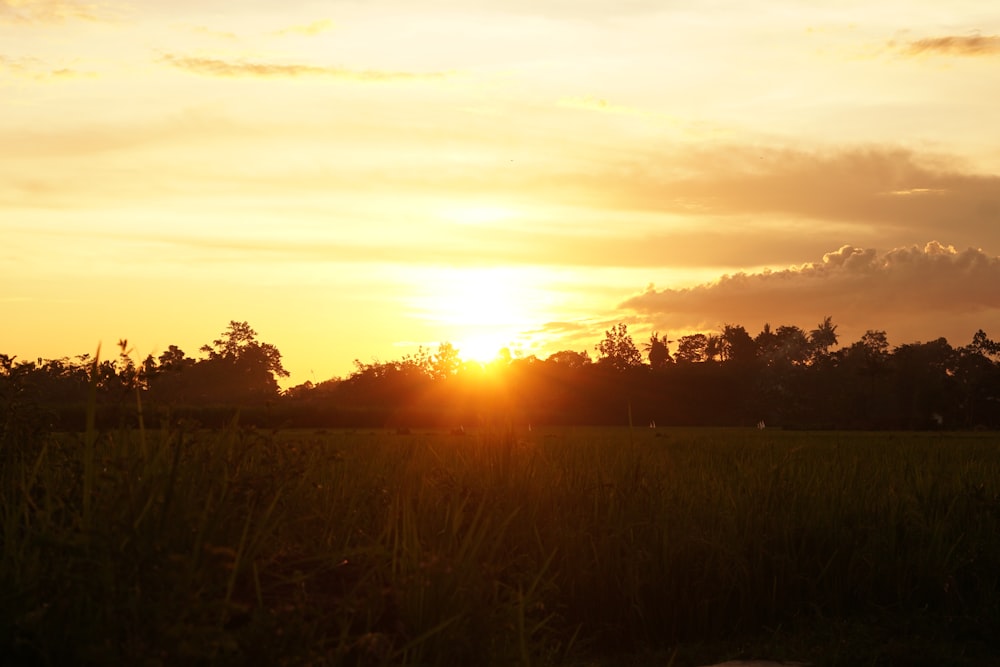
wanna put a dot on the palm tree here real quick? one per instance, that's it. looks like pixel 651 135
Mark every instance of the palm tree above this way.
pixel 823 337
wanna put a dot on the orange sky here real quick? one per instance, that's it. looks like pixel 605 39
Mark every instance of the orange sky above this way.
pixel 357 179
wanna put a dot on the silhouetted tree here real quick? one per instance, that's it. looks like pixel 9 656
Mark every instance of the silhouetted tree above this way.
pixel 977 378
pixel 237 370
pixel 691 348
pixel 446 362
pixel 569 359
pixel 785 376
pixel 865 363
pixel 767 344
pixel 924 385
pixel 714 347
pixel 737 345
pixel 872 348
pixel 822 338
pixel 792 345
pixel 239 343
pixel 657 351
pixel 618 350
pixel 173 358
pixel 981 344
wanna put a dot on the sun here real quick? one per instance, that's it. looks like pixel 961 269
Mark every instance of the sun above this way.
pixel 480 309
pixel 483 348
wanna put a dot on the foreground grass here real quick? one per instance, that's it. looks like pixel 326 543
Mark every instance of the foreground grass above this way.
pixel 558 547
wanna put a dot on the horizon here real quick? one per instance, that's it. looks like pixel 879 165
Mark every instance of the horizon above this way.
pixel 428 352
pixel 356 182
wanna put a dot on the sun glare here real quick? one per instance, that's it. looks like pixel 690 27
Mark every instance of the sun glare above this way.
pixel 481 310
pixel 477 214
pixel 483 348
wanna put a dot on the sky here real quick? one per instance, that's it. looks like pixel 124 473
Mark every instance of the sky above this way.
pixel 357 179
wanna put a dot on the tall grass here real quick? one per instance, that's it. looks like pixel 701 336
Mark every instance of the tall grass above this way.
pixel 239 546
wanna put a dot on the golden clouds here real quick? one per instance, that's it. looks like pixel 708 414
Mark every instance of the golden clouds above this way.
pixel 50 11
pixel 955 45
pixel 856 188
pixel 32 68
pixel 901 289
pixel 218 67
pixel 308 30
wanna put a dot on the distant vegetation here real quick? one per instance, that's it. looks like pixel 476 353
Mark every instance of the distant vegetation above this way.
pixel 784 377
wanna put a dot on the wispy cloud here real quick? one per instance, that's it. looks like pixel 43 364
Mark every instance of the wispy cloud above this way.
pixel 211 32
pixel 50 11
pixel 309 30
pixel 953 45
pixel 914 291
pixel 32 68
pixel 590 103
pixel 217 67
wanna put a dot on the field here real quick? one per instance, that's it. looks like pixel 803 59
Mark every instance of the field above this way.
pixel 499 547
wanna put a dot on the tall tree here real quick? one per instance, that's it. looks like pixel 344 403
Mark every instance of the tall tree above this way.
pixel 867 359
pixel 446 362
pixel 822 338
pixel 982 344
pixel 618 350
pixel 767 344
pixel 925 384
pixel 173 358
pixel 872 347
pixel 738 346
pixel 792 345
pixel 691 348
pixel 714 347
pixel 657 351
pixel 237 369
pixel 978 378
pixel 569 359
pixel 239 342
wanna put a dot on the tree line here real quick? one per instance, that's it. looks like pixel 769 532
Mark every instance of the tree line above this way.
pixel 784 376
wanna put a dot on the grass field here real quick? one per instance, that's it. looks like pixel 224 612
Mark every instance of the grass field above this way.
pixel 496 547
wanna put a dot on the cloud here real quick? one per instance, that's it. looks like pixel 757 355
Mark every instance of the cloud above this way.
pixel 913 292
pixel 49 11
pixel 211 32
pixel 32 68
pixel 953 45
pixel 599 104
pixel 733 209
pixel 310 30
pixel 241 68
pixel 856 187
pixel 559 327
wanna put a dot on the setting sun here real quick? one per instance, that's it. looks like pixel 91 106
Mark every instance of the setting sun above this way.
pixel 486 309
pixel 483 348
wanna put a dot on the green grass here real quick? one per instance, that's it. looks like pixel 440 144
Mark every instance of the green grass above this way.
pixel 570 546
